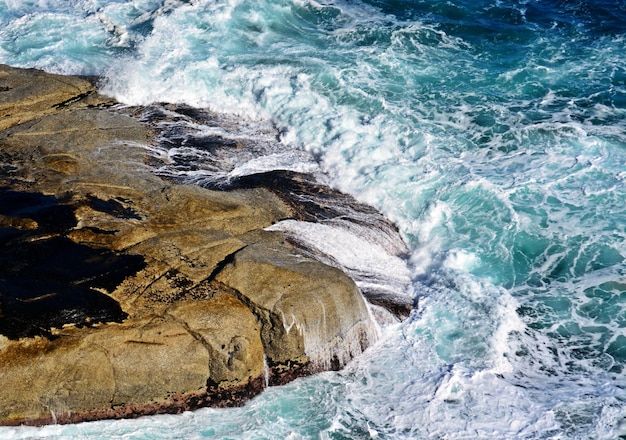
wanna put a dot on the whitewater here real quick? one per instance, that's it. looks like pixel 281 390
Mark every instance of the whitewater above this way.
pixel 492 132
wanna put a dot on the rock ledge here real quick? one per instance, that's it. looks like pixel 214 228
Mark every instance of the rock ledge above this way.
pixel 126 293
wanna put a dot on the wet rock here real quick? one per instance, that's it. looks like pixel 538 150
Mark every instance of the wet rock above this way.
pixel 125 291
pixel 313 317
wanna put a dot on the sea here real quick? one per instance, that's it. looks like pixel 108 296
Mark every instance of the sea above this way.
pixel 491 132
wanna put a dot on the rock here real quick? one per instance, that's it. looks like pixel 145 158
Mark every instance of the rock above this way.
pixel 29 94
pixel 123 293
pixel 312 316
pixel 144 366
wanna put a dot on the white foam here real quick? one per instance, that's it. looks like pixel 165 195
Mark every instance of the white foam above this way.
pixel 428 398
pixel 34 40
pixel 460 260
pixel 369 262
pixel 284 161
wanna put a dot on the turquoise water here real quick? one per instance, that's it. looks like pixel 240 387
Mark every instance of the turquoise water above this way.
pixel 492 132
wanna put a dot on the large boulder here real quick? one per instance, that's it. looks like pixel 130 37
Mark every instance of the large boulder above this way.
pixel 123 293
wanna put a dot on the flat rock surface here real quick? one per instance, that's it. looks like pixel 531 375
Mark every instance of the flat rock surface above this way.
pixel 123 293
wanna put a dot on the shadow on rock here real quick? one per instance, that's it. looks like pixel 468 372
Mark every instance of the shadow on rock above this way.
pixel 46 279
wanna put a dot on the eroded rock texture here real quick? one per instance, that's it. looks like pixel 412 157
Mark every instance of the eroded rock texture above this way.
pixel 123 293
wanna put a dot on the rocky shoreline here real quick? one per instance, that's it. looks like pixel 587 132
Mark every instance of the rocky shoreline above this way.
pixel 127 291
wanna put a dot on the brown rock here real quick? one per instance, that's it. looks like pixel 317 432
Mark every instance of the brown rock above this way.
pixel 132 368
pixel 123 294
pixel 28 94
pixel 312 315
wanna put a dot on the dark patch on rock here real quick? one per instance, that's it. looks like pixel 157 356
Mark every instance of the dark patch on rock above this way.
pixel 72 100
pixel 46 279
pixel 399 306
pixel 210 143
pixel 229 259
pixel 62 260
pixel 32 307
pixel 177 280
pixel 48 283
pixel 219 397
pixel 151 114
pixel 198 114
pixel 51 214
pixel 310 200
pixel 113 207
pixel 283 373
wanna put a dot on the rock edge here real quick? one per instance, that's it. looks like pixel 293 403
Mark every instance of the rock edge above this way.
pixel 124 294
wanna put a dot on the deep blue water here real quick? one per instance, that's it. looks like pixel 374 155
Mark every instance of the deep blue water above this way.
pixel 492 132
